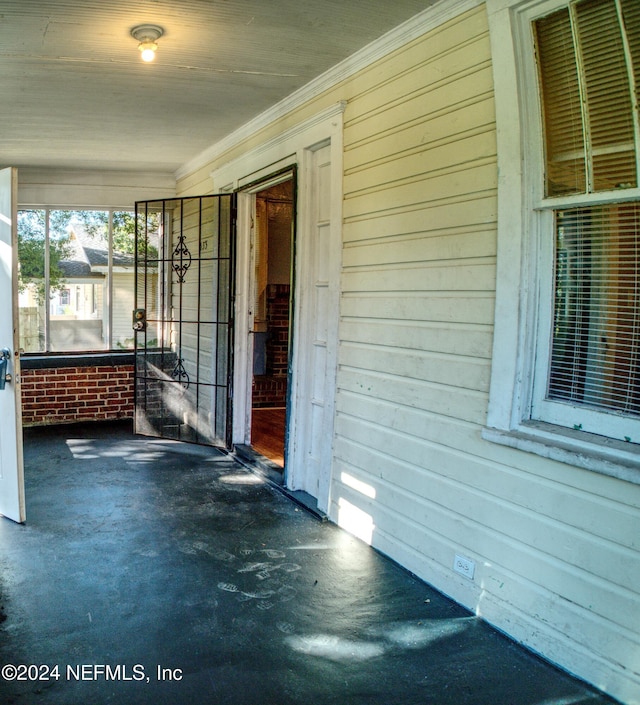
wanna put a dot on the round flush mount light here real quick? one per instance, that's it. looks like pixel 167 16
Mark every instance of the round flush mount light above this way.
pixel 147 36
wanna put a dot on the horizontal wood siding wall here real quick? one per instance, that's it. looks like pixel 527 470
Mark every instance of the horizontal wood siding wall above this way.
pixel 91 189
pixel 555 547
pixel 555 560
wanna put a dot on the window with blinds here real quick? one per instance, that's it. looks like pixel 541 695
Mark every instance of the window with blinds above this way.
pixel 595 356
pixel 589 63
pixel 588 56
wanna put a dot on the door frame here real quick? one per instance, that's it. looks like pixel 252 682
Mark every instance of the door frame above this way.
pixel 294 147
pixel 245 295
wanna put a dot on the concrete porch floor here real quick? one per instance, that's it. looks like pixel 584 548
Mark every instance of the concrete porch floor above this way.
pixel 139 554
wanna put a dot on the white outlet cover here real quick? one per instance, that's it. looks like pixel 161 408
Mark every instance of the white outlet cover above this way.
pixel 464 566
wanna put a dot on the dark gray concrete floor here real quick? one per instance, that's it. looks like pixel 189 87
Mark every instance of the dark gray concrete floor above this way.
pixel 139 553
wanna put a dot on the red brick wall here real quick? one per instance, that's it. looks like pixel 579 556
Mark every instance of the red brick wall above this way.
pixel 278 323
pixel 69 394
pixel 271 389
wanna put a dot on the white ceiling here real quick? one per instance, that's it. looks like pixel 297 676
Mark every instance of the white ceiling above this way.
pixel 75 94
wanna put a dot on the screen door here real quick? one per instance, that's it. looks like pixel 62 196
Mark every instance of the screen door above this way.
pixel 183 318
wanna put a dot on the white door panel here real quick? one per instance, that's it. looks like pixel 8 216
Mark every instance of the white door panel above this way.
pixel 315 366
pixel 12 504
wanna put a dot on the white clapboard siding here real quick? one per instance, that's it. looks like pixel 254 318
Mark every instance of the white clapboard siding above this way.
pixel 449 306
pixel 555 551
pixel 468 339
pixel 448 212
pixel 92 189
pixel 196 338
pixel 555 547
pixel 461 371
pixel 122 308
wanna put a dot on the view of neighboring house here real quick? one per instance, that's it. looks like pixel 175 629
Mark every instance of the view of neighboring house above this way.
pixel 78 317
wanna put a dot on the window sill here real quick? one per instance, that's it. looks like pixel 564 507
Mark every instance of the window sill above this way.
pixel 584 450
pixel 45 361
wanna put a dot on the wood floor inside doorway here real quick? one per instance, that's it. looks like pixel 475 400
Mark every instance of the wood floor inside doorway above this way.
pixel 267 433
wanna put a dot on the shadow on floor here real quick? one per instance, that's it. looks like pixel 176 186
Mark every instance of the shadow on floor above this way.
pixel 141 555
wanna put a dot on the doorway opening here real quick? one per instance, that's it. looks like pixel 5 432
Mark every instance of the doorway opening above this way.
pixel 273 237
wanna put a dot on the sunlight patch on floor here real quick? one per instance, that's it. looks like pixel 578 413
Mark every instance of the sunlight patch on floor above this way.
pixel 335 648
pixel 241 479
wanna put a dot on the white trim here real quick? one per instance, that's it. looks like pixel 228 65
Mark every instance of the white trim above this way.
pixel 505 387
pixel 243 344
pixel 279 152
pixel 291 147
pixel 423 22
pixel 584 450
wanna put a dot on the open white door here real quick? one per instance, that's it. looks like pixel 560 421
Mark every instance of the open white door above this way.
pixel 316 330
pixel 12 503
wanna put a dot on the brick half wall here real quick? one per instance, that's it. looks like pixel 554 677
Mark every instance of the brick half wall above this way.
pixel 69 394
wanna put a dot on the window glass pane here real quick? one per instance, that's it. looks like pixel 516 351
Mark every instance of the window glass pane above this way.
pixel 151 292
pixel 123 278
pixel 608 97
pixel 80 303
pixel 78 264
pixel 31 280
pixel 596 335
pixel 562 117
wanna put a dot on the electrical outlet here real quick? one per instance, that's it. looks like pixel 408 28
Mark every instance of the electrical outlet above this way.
pixel 464 566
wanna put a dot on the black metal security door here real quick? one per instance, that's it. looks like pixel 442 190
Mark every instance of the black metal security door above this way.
pixel 183 318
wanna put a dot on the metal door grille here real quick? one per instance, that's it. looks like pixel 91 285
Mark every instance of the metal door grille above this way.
pixel 184 306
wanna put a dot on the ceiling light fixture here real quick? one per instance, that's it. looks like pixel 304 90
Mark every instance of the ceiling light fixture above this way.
pixel 147 35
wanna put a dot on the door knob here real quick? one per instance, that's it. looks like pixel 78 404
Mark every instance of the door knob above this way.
pixel 139 319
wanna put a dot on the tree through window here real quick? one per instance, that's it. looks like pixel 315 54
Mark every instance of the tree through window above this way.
pixel 76 270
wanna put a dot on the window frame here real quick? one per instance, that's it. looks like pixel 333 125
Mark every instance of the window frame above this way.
pixel 525 259
pixel 108 286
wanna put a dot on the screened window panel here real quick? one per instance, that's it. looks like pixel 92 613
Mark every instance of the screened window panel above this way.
pixel 83 300
pixel 608 97
pixel 562 119
pixel 32 294
pixel 596 336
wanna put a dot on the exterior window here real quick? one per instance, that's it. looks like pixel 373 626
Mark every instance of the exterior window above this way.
pixel 76 280
pixel 595 356
pixel 588 57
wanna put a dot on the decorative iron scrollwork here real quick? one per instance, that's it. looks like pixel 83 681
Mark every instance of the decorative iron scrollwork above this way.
pixel 180 374
pixel 181 259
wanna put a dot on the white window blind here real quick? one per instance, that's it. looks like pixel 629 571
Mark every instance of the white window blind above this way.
pixel 596 342
pixel 561 110
pixel 631 23
pixel 587 83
